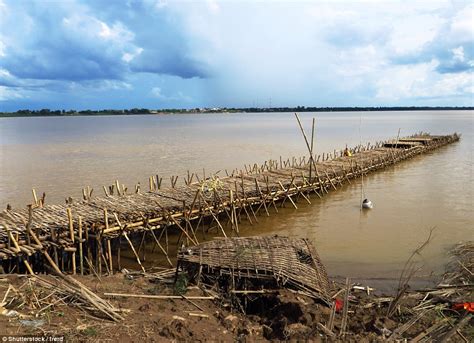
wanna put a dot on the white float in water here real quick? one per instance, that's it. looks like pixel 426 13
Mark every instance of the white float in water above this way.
pixel 367 204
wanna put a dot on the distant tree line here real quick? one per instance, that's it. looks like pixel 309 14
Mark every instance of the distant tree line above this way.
pixel 48 112
pixel 133 111
pixel 350 109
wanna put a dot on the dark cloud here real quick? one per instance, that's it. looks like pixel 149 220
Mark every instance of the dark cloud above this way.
pixel 64 67
pixel 454 67
pixel 151 61
pixel 160 33
pixel 78 43
pixel 451 58
pixel 114 53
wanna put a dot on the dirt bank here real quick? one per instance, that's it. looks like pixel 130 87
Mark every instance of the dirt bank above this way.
pixel 160 306
pixel 274 316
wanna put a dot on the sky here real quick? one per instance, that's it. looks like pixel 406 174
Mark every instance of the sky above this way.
pixel 101 54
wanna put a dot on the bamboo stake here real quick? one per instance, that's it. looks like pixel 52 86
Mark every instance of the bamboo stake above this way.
pixel 35 198
pixel 134 251
pixel 263 199
pixel 109 252
pixel 71 232
pixel 91 268
pixel 46 254
pixel 98 241
pixel 330 181
pixel 17 247
pixel 287 195
pixel 117 185
pixel 161 247
pixel 81 262
pixel 213 216
pixel 176 222
pixel 234 214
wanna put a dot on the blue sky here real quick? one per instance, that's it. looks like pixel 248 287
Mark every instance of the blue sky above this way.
pixel 97 54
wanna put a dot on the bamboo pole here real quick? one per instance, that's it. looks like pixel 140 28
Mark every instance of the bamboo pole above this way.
pixel 129 241
pixel 35 198
pixel 45 252
pixel 176 222
pixel 213 216
pixel 17 247
pixel 81 257
pixel 161 247
pixel 287 195
pixel 71 232
pixel 117 185
pixel 147 296
pixel 134 251
pixel 109 252
pixel 311 152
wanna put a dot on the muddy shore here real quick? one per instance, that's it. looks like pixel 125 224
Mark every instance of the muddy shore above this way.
pixel 162 306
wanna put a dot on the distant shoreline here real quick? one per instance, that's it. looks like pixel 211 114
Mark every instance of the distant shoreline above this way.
pixel 143 111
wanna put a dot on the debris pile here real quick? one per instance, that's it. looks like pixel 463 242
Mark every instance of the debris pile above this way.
pixel 36 295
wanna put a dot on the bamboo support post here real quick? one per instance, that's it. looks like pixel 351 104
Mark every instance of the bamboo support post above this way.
pixel 109 252
pixel 71 232
pixel 134 251
pixel 176 223
pixel 81 262
pixel 35 198
pixel 117 186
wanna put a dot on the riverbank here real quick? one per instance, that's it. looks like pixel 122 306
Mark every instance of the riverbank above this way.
pixel 141 111
pixel 155 309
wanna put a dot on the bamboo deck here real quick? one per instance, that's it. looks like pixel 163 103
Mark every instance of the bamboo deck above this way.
pixel 81 236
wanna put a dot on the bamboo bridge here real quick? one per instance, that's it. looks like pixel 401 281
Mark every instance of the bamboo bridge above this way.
pixel 85 236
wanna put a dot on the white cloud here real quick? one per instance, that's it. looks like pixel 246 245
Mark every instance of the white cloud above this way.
pixel 3 7
pixel 2 49
pixel 5 76
pixel 129 56
pixel 411 33
pixel 90 27
pixel 99 85
pixel 157 5
pixel 462 25
pixel 213 6
pixel 116 32
pixel 157 93
pixel 408 82
pixel 7 93
pixel 458 54
pixel 358 61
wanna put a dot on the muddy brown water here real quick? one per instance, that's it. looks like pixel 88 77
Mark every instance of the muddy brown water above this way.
pixel 61 155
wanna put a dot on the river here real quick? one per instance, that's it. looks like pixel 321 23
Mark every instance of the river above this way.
pixel 61 155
